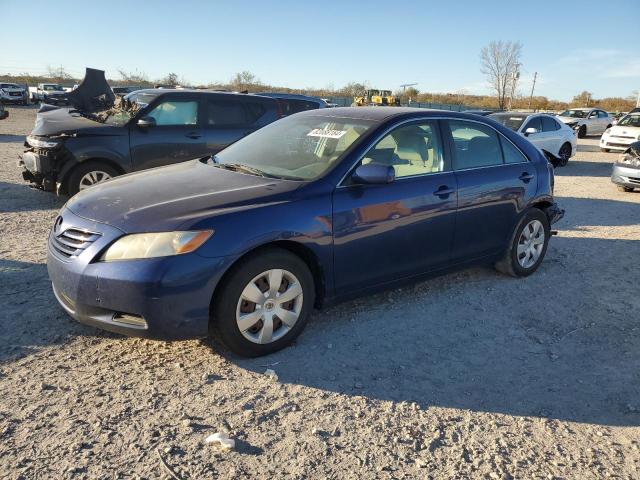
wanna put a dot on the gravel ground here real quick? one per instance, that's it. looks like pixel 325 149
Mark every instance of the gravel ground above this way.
pixel 470 375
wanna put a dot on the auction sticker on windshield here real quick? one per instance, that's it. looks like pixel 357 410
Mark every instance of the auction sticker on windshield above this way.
pixel 321 132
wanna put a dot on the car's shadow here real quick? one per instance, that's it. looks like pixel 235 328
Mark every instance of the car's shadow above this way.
pixel 580 168
pixel 478 341
pixel 9 138
pixel 16 197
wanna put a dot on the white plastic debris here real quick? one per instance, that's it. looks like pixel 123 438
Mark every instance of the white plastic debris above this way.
pixel 222 440
pixel 271 374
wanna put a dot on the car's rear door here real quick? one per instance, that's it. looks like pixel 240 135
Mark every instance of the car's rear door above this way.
pixel 553 138
pixel 390 231
pixel 495 181
pixel 176 136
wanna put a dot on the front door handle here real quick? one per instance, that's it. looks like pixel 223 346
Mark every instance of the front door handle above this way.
pixel 443 191
pixel 526 177
pixel 193 135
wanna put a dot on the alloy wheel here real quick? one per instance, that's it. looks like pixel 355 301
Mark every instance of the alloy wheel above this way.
pixel 92 178
pixel 565 152
pixel 530 244
pixel 269 306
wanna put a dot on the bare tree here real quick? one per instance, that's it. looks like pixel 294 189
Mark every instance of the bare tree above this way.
pixel 59 73
pixel 500 63
pixel 243 80
pixel 583 99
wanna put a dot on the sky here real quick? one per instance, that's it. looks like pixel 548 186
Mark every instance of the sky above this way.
pixel 572 45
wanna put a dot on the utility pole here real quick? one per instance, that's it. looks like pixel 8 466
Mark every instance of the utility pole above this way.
pixel 535 75
pixel 638 100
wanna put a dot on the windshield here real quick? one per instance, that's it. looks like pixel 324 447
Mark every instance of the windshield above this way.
pixel 574 113
pixel 514 122
pixel 296 148
pixel 8 85
pixel 630 121
pixel 53 88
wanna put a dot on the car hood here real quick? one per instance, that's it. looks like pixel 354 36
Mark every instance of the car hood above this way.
pixel 172 197
pixel 624 131
pixel 569 119
pixel 93 94
pixel 66 121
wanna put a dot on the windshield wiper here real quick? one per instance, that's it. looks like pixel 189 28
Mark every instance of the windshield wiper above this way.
pixel 238 167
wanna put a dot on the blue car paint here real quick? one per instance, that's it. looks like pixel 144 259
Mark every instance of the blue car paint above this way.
pixel 351 234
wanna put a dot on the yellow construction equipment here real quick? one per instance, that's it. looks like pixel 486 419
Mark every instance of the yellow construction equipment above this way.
pixel 377 98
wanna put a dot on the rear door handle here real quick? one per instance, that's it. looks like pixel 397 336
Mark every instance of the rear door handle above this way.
pixel 443 191
pixel 194 135
pixel 526 177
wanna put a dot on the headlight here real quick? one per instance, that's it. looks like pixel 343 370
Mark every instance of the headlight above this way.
pixel 42 143
pixel 149 245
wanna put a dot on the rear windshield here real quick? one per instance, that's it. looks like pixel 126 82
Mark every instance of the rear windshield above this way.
pixel 296 148
pixel 514 122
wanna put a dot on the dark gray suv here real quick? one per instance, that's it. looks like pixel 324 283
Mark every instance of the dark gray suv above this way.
pixel 74 148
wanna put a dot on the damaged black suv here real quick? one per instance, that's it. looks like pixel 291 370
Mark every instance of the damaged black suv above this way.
pixel 100 137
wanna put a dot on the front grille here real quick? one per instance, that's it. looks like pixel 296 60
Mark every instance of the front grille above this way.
pixel 72 242
pixel 15 94
pixel 614 144
pixel 634 180
pixel 623 136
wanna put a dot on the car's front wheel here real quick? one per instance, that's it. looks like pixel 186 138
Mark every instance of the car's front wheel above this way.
pixel 89 174
pixel 605 150
pixel 625 189
pixel 564 154
pixel 528 245
pixel 264 303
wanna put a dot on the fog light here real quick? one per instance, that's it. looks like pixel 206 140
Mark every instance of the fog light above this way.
pixel 130 319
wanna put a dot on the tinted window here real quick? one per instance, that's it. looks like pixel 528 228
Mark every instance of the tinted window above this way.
pixel 535 122
pixel 255 110
pixel 411 150
pixel 593 114
pixel 512 121
pixel 511 153
pixel 291 106
pixel 175 112
pixel 223 113
pixel 603 114
pixel 549 124
pixel 476 145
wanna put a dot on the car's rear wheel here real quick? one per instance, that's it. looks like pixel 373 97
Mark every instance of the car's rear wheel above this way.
pixel 625 189
pixel 582 131
pixel 89 174
pixel 264 303
pixel 564 154
pixel 528 245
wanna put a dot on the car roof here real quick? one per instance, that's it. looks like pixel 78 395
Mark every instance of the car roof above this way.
pixel 382 114
pixel 293 96
pixel 164 91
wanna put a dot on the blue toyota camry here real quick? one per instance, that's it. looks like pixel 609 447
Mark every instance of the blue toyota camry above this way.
pixel 317 207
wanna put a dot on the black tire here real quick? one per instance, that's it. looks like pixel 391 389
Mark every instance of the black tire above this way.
pixel 72 185
pixel 625 189
pixel 223 313
pixel 564 154
pixel 605 150
pixel 509 264
pixel 582 131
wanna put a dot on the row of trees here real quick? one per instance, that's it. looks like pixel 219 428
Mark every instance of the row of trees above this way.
pixel 500 63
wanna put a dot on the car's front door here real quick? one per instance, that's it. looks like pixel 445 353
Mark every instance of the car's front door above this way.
pixel 175 137
pixel 390 231
pixel 539 138
pixel 495 181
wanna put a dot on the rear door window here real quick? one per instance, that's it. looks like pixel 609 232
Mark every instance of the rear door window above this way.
pixel 475 145
pixel 549 124
pixel 255 110
pixel 290 106
pixel 225 113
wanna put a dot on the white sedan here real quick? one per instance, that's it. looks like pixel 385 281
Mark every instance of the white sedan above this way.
pixel 544 131
pixel 621 135
pixel 586 121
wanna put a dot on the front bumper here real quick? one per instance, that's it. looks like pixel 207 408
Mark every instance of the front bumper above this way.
pixel 625 176
pixel 554 213
pixel 41 168
pixel 12 99
pixel 616 143
pixel 171 296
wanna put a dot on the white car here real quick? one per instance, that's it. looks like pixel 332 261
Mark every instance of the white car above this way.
pixel 12 93
pixel 543 130
pixel 621 135
pixel 586 121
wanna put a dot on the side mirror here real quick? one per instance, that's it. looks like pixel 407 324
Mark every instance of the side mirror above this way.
pixel 146 122
pixel 374 173
pixel 530 131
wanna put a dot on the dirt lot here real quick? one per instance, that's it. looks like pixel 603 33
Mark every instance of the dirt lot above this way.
pixel 471 375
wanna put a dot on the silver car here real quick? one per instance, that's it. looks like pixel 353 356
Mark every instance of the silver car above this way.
pixel 626 170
